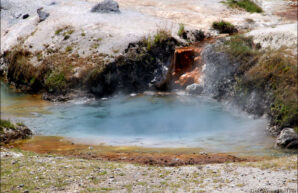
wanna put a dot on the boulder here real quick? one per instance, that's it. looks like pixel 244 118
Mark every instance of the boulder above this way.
pixel 42 14
pixel 194 89
pixel 286 137
pixel 107 6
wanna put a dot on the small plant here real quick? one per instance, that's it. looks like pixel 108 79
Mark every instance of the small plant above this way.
pixel 68 49
pixel 161 35
pixel 69 32
pixel 181 30
pixel 224 27
pixel 58 31
pixel 248 5
pixel 83 34
pixel 99 39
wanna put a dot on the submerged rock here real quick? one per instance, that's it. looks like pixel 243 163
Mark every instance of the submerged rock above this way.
pixel 287 138
pixel 42 14
pixel 106 6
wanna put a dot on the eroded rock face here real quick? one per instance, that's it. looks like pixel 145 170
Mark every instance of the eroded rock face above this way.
pixel 107 6
pixel 287 138
pixel 137 70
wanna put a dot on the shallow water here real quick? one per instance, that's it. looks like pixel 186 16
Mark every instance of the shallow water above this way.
pixel 142 120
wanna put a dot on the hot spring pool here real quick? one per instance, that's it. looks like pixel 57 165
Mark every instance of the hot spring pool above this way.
pixel 143 120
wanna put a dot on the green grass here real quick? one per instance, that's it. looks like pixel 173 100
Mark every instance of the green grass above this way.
pixel 248 5
pixel 160 36
pixel 224 27
pixel 239 46
pixel 55 82
pixel 181 29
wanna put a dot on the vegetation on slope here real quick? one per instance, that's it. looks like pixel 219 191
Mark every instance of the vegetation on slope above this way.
pixel 273 72
pixel 224 27
pixel 248 5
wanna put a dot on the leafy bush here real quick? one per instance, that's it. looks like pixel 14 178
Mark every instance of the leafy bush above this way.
pixel 248 5
pixel 224 27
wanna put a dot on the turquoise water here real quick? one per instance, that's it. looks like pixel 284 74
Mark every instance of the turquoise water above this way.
pixel 143 120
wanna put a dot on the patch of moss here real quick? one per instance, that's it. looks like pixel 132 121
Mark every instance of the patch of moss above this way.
pixel 56 82
pixel 248 5
pixel 224 27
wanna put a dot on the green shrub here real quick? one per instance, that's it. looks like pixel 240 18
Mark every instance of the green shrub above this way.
pixel 56 82
pixel 181 29
pixel 224 27
pixel 248 5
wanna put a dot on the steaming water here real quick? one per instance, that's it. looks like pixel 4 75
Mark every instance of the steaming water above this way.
pixel 142 120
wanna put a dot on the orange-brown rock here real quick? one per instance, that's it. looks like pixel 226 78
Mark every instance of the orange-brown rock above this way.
pixel 189 77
